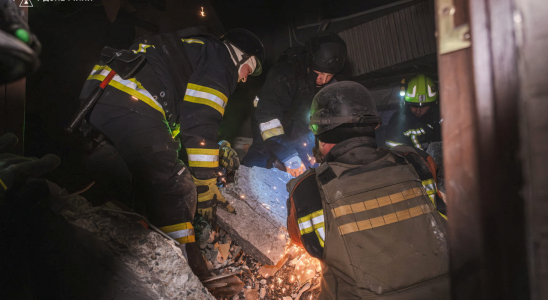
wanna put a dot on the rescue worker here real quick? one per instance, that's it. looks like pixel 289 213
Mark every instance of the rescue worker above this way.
pixel 364 212
pixel 280 121
pixel 417 124
pixel 186 81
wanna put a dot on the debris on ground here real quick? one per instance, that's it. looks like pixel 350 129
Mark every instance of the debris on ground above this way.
pixel 132 262
pixel 291 278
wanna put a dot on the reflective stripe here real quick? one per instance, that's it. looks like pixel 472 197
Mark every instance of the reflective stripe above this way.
pixel 182 232
pixel 205 158
pixel 207 96
pixel 377 202
pixel 414 92
pixel 130 86
pixel 271 128
pixel 431 191
pixel 3 185
pixel 270 124
pixel 320 233
pixel 392 144
pixel 192 41
pixel 384 220
pixel 413 133
pixel 313 222
pixel 308 223
pixel 142 48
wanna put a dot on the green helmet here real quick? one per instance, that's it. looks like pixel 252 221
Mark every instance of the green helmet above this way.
pixel 421 91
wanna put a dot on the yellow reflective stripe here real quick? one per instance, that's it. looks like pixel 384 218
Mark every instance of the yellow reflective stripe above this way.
pixel 320 233
pixel 3 185
pixel 191 41
pixel 272 132
pixel 129 86
pixel 377 202
pixel 384 220
pixel 431 191
pixel 182 232
pixel 310 222
pixel 142 48
pixel 428 181
pixel 205 158
pixel 207 96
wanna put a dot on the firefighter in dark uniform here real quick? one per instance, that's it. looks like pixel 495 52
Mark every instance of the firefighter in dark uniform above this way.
pixel 417 124
pixel 280 121
pixel 186 81
pixel 364 212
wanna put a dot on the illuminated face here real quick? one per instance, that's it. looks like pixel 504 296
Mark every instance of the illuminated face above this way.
pixel 419 111
pixel 323 78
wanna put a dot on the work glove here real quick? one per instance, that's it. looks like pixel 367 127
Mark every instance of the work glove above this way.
pixel 228 158
pixel 294 166
pixel 209 197
pixel 15 168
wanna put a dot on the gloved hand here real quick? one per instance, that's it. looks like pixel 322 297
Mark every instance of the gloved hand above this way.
pixel 294 166
pixel 15 168
pixel 228 158
pixel 209 197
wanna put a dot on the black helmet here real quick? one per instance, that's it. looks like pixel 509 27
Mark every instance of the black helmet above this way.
pixel 247 42
pixel 19 48
pixel 343 110
pixel 326 52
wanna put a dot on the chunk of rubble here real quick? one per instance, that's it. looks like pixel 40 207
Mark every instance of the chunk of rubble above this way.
pixel 259 227
pixel 115 257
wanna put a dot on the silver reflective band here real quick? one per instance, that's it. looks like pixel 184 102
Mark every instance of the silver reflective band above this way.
pixel 308 224
pixel 181 233
pixel 203 157
pixel 207 96
pixel 270 124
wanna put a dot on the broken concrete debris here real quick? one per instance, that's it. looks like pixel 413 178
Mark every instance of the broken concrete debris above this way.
pixel 259 197
pixel 289 278
pixel 141 263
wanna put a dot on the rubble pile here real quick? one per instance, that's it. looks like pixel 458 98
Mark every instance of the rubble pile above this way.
pixel 295 276
pixel 133 262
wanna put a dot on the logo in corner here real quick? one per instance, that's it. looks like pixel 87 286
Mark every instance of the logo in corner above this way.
pixel 26 3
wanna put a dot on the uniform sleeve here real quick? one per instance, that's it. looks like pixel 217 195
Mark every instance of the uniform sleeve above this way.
pixel 213 79
pixel 274 101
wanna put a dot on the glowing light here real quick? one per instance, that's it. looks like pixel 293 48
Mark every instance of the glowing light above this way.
pixel 202 13
pixel 304 144
pixel 134 98
pixel 274 187
pixel 402 93
pixel 202 143
pixel 242 196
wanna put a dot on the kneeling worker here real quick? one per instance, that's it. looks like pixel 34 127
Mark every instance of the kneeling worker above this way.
pixel 186 81
pixel 364 211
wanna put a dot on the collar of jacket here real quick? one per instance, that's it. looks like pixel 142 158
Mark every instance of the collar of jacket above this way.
pixel 355 151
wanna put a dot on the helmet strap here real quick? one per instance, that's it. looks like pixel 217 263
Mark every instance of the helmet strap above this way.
pixel 238 62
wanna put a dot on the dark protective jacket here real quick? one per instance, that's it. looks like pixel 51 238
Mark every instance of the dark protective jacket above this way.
pixel 186 79
pixel 366 214
pixel 282 113
pixel 404 128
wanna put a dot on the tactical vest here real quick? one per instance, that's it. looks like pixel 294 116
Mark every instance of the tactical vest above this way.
pixel 381 229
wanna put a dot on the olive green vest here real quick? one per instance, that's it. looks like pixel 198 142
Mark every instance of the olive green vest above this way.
pixel 383 235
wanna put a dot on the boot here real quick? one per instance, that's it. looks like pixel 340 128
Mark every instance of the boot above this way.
pixel 196 260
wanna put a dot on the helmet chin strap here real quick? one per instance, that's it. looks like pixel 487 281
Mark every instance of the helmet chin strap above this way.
pixel 239 63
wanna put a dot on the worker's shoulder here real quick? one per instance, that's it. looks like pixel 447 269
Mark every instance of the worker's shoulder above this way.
pixel 306 180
